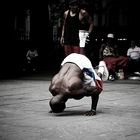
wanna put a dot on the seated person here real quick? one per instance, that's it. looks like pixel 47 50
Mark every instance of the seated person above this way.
pixel 77 79
pixel 109 53
pixel 32 58
pixel 133 54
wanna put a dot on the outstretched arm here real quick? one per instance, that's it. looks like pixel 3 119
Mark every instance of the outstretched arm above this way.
pixel 94 102
pixel 79 90
pixel 88 91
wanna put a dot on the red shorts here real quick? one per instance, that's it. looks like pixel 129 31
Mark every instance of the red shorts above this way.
pixel 71 49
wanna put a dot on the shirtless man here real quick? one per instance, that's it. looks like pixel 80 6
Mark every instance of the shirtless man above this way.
pixel 77 79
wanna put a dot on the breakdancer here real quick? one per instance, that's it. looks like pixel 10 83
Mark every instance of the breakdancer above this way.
pixel 77 79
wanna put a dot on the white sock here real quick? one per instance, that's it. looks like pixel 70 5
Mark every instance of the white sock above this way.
pixel 101 69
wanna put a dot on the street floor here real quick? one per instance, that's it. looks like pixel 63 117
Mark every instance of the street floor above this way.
pixel 24 112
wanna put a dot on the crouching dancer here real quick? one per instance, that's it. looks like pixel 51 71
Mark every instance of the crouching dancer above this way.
pixel 77 79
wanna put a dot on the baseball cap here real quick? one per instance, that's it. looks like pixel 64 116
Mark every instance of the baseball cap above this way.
pixel 110 35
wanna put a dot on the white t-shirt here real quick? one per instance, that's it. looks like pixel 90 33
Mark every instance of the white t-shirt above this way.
pixel 134 53
pixel 85 65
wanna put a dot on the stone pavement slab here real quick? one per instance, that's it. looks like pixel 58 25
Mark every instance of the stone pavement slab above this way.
pixel 24 112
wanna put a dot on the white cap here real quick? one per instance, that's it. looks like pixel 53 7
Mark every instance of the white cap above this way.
pixel 110 35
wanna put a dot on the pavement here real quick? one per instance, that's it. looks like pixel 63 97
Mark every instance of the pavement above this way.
pixel 24 112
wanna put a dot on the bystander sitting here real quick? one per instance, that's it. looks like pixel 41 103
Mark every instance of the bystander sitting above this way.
pixel 109 53
pixel 32 59
pixel 133 54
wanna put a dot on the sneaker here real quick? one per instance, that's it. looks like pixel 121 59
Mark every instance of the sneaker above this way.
pixel 137 73
pixel 105 73
pixel 111 78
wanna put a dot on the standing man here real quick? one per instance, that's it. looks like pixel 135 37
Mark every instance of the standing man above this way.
pixel 78 25
pixel 86 26
pixel 77 79
pixel 70 30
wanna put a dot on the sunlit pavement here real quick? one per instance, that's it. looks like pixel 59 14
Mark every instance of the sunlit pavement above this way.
pixel 24 112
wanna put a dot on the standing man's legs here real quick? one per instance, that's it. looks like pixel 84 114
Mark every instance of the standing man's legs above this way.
pixel 83 35
pixel 68 49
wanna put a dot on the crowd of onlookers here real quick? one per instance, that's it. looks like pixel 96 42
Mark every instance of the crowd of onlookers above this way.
pixel 127 64
pixel 76 36
pixel 120 66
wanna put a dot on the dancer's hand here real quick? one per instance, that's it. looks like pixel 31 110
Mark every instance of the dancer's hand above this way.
pixel 90 113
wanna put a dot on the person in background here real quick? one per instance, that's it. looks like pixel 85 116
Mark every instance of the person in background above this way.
pixel 32 59
pixel 77 79
pixel 78 25
pixel 133 54
pixel 109 53
pixel 70 31
pixel 86 26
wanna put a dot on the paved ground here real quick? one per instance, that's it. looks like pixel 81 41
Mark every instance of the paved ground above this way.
pixel 24 112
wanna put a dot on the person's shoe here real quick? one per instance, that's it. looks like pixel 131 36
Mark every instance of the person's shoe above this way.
pixel 111 78
pixel 105 73
pixel 137 73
